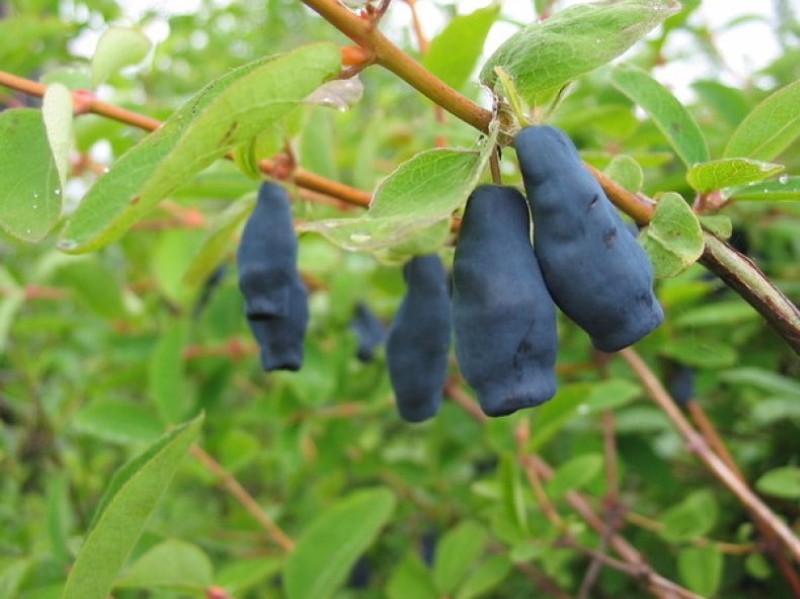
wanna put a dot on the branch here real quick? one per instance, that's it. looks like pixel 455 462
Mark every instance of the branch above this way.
pixel 244 498
pixel 717 467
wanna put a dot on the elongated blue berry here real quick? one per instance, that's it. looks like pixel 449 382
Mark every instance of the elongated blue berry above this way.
pixel 596 271
pixel 276 300
pixel 419 340
pixel 503 316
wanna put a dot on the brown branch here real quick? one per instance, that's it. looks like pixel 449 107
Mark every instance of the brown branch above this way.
pixel 709 431
pixel 698 444
pixel 638 566
pixel 244 498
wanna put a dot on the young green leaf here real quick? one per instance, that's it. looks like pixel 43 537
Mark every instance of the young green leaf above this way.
pixel 727 172
pixel 130 498
pixel 455 51
pixel 115 421
pixel 57 116
pixel 118 47
pixel 781 482
pixel 485 577
pixel 626 171
pixel 225 114
pixel 782 189
pixel 693 517
pixel 456 553
pixel 701 569
pixel 218 241
pixel 331 544
pixel 575 473
pixel 770 127
pixel 512 494
pixel 729 103
pixel 421 192
pixel 167 386
pixel 674 239
pixel 174 565
pixel 411 579
pixel 30 190
pixel 669 115
pixel 548 54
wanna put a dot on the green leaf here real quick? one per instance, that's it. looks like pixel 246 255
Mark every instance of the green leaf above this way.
pixel 769 382
pixel 12 574
pixel 575 473
pixel 117 421
pixel 693 517
pixel 238 576
pixel 456 553
pixel 331 544
pixel 411 202
pixel 411 579
pixel 729 103
pixel 57 117
pixel 770 127
pixel 485 577
pixel 9 305
pixel 719 224
pixel 548 54
pixel 226 113
pixel 720 313
pixel 30 191
pixel 118 47
pixel 626 171
pixel 783 188
pixel 700 352
pixel 453 53
pixel 673 239
pixel 668 114
pixel 549 418
pixel 611 394
pixel 781 482
pixel 95 284
pixel 172 564
pixel 701 568
pixel 132 495
pixel 218 242
pixel 512 494
pixel 727 172
pixel 166 381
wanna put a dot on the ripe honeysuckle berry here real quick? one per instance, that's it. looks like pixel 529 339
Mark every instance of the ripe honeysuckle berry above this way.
pixel 276 300
pixel 503 316
pixel 419 340
pixel 597 273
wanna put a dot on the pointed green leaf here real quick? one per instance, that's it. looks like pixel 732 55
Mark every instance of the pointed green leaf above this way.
pixel 117 421
pixel 674 239
pixel 485 577
pixel 727 172
pixel 456 554
pixel 166 382
pixel 225 114
pixel 410 203
pixel 331 544
pixel 118 47
pixel 693 517
pixel 9 305
pixel 454 53
pixel 30 191
pixel 132 495
pixel 669 115
pixel 546 55
pixel 575 473
pixel 770 127
pixel 701 569
pixel 57 116
pixel 781 482
pixel 719 224
pixel 12 574
pixel 553 415
pixel 94 284
pixel 172 564
pixel 218 242
pixel 716 314
pixel 783 188
pixel 700 352
pixel 411 579
pixel 729 103
pixel 511 492
pixel 626 171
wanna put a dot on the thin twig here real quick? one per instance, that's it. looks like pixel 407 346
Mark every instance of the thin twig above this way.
pixel 698 444
pixel 244 498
